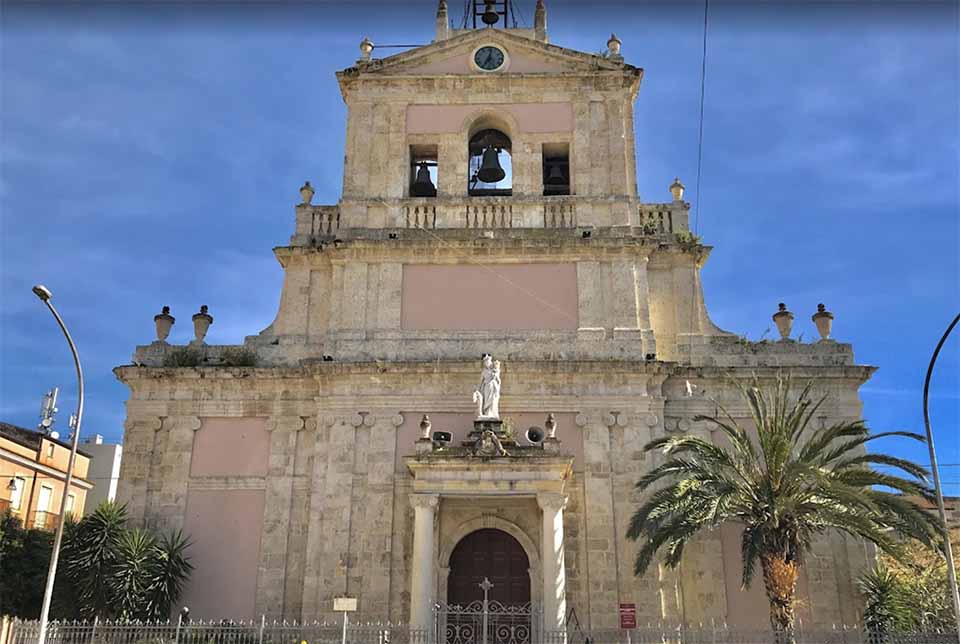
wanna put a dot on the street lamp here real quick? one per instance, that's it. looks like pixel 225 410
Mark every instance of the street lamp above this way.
pixel 44 294
pixel 948 549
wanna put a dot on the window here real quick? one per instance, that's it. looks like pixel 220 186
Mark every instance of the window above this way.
pixel 491 166
pixel 423 171
pixel 41 517
pixel 71 500
pixel 16 494
pixel 556 169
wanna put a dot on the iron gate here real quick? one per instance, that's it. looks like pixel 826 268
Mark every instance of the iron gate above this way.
pixel 486 622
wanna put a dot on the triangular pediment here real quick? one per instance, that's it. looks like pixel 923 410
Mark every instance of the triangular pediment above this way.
pixel 455 55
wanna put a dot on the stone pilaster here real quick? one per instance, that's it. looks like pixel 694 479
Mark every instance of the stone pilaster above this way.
pixel 271 576
pixel 373 533
pixel 166 503
pixel 138 444
pixel 601 535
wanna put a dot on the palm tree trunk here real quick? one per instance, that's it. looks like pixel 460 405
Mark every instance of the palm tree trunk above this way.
pixel 780 581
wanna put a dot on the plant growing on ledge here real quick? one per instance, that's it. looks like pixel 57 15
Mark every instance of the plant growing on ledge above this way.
pixel 789 485
pixel 688 241
pixel 238 357
pixel 182 357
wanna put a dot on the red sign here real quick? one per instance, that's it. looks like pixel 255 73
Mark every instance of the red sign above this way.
pixel 628 616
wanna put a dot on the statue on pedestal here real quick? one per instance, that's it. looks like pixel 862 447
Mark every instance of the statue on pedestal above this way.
pixel 487 394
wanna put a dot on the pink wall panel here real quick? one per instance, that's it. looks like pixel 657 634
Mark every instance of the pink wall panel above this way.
pixel 493 297
pixel 460 424
pixel 530 117
pixel 224 527
pixel 231 447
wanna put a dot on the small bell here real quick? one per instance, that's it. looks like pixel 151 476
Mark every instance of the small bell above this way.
pixel 490 170
pixel 555 176
pixel 422 185
pixel 490 16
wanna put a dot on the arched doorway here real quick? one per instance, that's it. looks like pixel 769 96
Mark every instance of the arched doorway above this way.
pixel 492 554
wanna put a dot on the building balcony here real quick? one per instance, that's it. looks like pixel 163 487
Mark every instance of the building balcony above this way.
pixel 316 224
pixel 43 521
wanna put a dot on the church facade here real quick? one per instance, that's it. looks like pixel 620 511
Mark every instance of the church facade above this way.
pixel 471 350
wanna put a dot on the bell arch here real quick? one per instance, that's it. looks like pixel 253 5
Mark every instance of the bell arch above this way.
pixel 530 548
pixel 490 153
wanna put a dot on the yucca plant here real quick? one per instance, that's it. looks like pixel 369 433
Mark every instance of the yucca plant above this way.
pixel 170 569
pixel 90 555
pixel 785 484
pixel 884 610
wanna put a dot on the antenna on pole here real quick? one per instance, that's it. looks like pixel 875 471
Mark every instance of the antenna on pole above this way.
pixel 48 410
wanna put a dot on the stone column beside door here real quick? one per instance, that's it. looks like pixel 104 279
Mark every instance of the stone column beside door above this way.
pixel 554 572
pixel 423 583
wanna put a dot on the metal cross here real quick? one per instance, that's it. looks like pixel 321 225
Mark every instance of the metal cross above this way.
pixel 485 585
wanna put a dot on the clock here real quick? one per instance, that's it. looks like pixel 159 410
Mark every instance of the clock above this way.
pixel 489 58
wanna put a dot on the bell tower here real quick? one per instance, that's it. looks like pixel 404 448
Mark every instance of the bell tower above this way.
pixel 491 149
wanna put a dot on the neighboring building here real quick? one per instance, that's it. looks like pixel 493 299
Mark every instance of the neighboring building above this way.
pixel 33 469
pixel 489 206
pixel 104 471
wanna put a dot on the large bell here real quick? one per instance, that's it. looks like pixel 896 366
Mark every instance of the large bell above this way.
pixel 490 170
pixel 490 16
pixel 422 185
pixel 555 176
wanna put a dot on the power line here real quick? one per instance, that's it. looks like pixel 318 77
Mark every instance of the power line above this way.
pixel 703 85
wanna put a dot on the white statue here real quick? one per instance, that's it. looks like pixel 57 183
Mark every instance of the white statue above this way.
pixel 487 394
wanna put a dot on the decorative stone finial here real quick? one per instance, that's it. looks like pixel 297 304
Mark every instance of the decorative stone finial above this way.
pixel 784 321
pixel 201 323
pixel 443 21
pixel 676 189
pixel 164 322
pixel 551 426
pixel 540 22
pixel 824 321
pixel 306 194
pixel 613 46
pixel 425 426
pixel 366 48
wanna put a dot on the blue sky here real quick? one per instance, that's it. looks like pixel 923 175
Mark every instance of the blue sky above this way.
pixel 151 155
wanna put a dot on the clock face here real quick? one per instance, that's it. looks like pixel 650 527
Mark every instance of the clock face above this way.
pixel 489 58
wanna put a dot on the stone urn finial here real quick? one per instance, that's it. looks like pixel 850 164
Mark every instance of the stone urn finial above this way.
pixel 201 323
pixel 613 46
pixel 366 48
pixel 306 194
pixel 425 426
pixel 784 321
pixel 551 426
pixel 164 322
pixel 676 189
pixel 824 321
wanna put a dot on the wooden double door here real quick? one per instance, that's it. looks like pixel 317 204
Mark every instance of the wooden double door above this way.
pixel 494 555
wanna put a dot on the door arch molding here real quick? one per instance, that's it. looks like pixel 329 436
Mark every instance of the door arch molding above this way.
pixel 530 547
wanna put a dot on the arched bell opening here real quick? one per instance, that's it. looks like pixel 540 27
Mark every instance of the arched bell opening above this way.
pixel 491 165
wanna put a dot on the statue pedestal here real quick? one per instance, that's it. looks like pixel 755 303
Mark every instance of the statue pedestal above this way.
pixel 494 425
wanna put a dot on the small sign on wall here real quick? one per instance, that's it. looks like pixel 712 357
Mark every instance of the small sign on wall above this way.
pixel 345 604
pixel 628 616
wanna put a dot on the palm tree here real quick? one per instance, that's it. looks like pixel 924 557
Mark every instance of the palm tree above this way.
pixel 785 485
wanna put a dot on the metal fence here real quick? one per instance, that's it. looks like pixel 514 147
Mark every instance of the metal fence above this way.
pixel 263 632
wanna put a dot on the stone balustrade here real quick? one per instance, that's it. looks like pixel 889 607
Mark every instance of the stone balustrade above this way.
pixel 325 223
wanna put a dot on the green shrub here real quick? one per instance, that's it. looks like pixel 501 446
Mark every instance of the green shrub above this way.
pixel 182 357
pixel 238 357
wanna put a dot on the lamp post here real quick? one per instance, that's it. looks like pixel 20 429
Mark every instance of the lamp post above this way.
pixel 44 294
pixel 948 550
